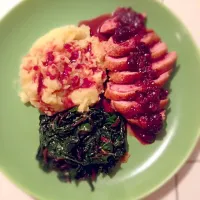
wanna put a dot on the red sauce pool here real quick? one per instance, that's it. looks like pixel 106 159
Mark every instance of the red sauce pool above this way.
pixel 94 25
pixel 125 158
pixel 140 135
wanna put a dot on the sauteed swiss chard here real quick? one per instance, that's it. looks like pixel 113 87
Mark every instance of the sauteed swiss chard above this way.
pixel 81 145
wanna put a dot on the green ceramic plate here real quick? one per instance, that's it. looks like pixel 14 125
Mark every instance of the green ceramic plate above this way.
pixel 149 166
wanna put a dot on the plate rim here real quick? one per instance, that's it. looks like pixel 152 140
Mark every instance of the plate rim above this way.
pixel 158 184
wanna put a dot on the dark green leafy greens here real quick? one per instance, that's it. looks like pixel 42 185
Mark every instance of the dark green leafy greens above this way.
pixel 81 145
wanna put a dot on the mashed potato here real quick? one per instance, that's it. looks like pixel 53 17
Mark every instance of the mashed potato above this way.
pixel 63 69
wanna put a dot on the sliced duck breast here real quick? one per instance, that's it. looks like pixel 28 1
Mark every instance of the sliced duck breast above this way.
pixel 163 78
pixel 124 77
pixel 121 92
pixel 109 26
pixel 161 66
pixel 114 49
pixel 127 77
pixel 132 108
pixel 166 64
pixel 150 38
pixel 158 50
pixel 119 49
pixel 116 64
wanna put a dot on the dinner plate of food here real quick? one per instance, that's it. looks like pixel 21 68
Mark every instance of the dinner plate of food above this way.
pixel 99 98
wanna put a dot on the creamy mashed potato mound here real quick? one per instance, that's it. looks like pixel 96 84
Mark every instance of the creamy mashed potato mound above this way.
pixel 63 69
